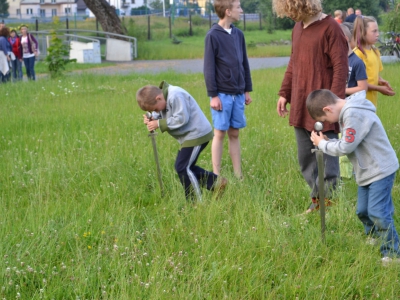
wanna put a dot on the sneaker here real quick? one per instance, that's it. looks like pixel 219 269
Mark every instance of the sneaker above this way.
pixel 386 261
pixel 220 186
pixel 314 206
pixel 372 241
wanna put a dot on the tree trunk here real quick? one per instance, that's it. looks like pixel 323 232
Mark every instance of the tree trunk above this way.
pixel 106 15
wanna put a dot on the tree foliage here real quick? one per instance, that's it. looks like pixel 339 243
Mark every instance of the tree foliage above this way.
pixel 272 21
pixel 368 7
pixel 393 19
pixel 251 6
pixel 4 6
pixel 158 4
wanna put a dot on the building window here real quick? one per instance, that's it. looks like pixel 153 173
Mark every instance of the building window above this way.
pixel 41 1
pixel 29 11
pixel 18 11
pixel 68 10
pixel 54 12
pixel 53 1
pixel 43 13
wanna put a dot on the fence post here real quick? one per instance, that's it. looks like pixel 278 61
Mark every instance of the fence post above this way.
pixel 190 24
pixel 170 27
pixel 244 22
pixel 148 27
pixel 37 25
pixel 67 24
pixel 259 17
pixel 209 19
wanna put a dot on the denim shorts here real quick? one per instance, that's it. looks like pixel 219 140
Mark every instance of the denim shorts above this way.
pixel 232 113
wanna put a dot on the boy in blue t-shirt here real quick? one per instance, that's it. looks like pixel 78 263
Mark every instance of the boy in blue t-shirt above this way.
pixel 357 81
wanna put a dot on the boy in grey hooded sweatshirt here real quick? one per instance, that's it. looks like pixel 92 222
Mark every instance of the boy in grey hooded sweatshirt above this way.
pixel 182 118
pixel 375 163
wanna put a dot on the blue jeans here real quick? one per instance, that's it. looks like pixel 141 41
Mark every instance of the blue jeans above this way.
pixel 30 67
pixel 375 210
pixel 16 69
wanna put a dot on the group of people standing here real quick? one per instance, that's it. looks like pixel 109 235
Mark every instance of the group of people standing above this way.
pixel 15 49
pixel 349 16
pixel 322 67
pixel 327 64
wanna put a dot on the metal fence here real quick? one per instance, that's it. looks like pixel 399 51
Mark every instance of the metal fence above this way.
pixel 68 35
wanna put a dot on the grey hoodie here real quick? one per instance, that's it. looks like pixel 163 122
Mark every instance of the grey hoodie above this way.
pixel 364 141
pixel 183 118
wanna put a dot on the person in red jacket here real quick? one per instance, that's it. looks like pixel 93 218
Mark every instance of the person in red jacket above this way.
pixel 16 49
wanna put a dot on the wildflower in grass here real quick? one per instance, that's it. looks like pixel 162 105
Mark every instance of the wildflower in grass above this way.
pixel 51 93
pixel 89 247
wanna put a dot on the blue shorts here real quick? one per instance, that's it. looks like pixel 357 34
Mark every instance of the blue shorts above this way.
pixel 232 113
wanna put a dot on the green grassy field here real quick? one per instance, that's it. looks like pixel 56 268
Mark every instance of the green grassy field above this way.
pixel 41 67
pixel 82 216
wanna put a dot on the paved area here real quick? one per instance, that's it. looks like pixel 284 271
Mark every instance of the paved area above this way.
pixel 181 66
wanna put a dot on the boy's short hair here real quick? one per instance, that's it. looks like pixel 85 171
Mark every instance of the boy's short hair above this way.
pixel 346 32
pixel 338 13
pixel 146 97
pixel 349 26
pixel 319 99
pixel 296 9
pixel 220 7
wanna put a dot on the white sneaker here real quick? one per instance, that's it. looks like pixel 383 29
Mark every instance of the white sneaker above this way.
pixel 386 261
pixel 372 241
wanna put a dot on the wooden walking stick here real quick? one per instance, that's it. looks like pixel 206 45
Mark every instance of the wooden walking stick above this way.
pixel 152 135
pixel 318 126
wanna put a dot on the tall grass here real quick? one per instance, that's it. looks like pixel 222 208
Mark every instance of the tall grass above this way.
pixel 160 46
pixel 82 216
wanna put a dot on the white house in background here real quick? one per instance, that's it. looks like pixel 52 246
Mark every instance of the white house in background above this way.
pixel 46 8
pixel 13 8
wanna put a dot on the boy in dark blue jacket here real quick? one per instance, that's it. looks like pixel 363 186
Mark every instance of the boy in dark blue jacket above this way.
pixel 228 81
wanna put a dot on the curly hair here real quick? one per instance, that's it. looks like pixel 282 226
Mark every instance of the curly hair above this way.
pixel 296 9
pixel 5 31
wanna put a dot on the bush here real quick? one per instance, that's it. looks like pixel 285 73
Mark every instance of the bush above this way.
pixel 199 21
pixel 184 32
pixel 393 19
pixel 56 54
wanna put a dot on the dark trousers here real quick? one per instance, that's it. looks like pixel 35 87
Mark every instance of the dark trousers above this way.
pixel 30 67
pixel 308 163
pixel 191 176
pixel 16 69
